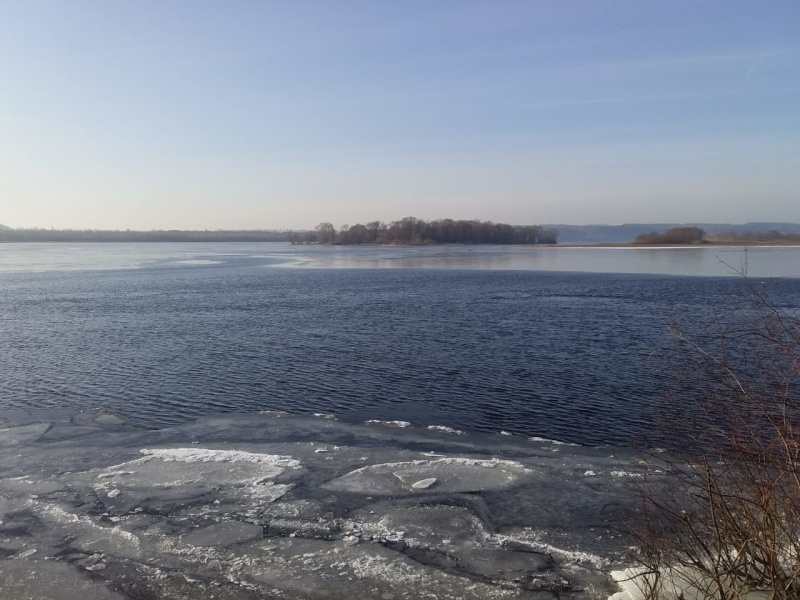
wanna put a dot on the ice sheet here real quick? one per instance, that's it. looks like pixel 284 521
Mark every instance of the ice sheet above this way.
pixel 282 506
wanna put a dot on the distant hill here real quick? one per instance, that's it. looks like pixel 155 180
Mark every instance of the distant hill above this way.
pixel 4 228
pixel 622 234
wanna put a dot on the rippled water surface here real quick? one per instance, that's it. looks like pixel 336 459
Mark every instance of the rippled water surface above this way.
pixel 469 338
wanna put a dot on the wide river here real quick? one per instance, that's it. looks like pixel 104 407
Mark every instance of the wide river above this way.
pixel 562 343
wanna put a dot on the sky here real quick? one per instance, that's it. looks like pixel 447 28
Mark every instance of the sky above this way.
pixel 274 114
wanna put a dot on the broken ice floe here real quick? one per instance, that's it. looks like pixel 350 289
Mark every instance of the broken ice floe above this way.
pixel 450 475
pixel 243 506
pixel 24 434
pixel 189 475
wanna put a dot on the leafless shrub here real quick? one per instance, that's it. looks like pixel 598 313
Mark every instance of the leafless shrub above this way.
pixel 720 508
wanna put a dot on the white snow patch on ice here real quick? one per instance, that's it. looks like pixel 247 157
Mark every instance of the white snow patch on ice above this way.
pixel 457 460
pixel 533 538
pixel 400 424
pixel 196 261
pixel 625 474
pixel 231 456
pixel 268 490
pixel 445 429
pixel 536 438
pixel 676 584
pixel 423 483
pixel 88 532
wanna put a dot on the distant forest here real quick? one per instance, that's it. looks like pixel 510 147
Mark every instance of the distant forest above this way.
pixel 411 230
pixel 752 237
pixel 94 235
pixel 676 235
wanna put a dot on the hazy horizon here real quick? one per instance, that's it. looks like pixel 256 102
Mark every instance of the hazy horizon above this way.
pixel 281 115
pixel 311 227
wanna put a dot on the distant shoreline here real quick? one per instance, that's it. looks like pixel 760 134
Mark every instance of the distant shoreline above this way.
pixel 666 246
pixel 47 236
pixel 252 240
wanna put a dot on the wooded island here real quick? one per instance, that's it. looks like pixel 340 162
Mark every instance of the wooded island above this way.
pixel 411 230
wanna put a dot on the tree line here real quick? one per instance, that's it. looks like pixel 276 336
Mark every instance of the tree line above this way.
pixel 696 235
pixel 753 237
pixel 95 235
pixel 411 230
pixel 676 235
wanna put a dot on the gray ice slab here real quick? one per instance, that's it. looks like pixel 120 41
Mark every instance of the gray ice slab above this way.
pixel 224 534
pixel 61 432
pixel 22 434
pixel 51 580
pixel 436 526
pixel 362 571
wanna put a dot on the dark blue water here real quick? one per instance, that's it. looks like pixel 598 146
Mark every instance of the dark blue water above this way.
pixel 569 356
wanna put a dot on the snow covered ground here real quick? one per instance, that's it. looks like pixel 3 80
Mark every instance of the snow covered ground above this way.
pixel 303 507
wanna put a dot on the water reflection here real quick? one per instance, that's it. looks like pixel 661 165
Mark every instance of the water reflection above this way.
pixel 779 261
pixel 707 261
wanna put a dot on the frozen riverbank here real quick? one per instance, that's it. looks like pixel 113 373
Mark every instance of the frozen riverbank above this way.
pixel 280 506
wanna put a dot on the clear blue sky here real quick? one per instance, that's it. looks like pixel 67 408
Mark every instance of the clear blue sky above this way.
pixel 273 114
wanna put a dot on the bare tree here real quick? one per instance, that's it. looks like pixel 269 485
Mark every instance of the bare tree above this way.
pixel 326 233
